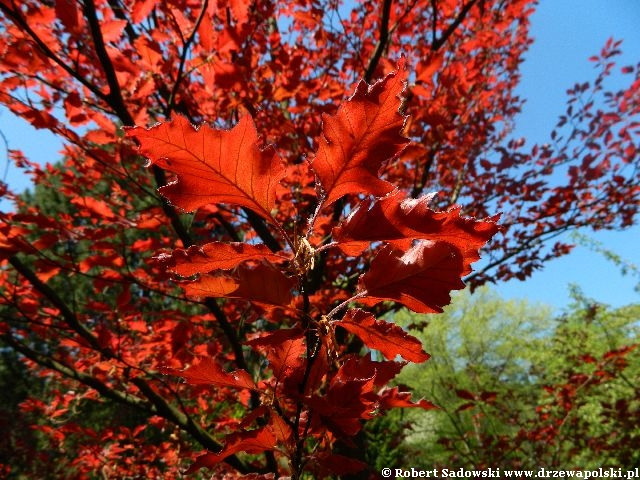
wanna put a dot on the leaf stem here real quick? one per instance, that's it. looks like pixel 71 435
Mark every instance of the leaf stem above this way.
pixel 345 304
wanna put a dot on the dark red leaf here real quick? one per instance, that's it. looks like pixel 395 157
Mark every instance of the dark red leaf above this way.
pixel 420 278
pixel 466 394
pixel 214 256
pixel 388 338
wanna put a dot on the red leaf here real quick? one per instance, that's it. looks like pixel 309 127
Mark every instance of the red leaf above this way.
pixel 141 9
pixel 363 135
pixel 262 284
pixel 420 279
pixel 213 166
pixel 69 14
pixel 207 372
pixel 350 397
pixel 254 441
pixel 389 338
pixel 214 256
pixel 393 398
pixel 397 220
pixel 465 394
pixel 283 348
pixel 98 207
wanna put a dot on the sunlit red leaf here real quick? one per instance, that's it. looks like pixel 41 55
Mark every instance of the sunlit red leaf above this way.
pixel 388 338
pixel 214 256
pixel 208 372
pixel 421 278
pixel 397 220
pixel 98 207
pixel 261 284
pixel 357 141
pixel 254 441
pixel 213 166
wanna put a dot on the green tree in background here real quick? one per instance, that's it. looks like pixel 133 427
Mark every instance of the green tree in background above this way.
pixel 519 388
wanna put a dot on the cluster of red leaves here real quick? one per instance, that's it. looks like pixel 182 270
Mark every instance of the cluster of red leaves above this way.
pixel 314 388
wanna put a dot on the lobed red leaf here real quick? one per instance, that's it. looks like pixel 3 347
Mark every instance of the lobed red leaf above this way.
pixel 397 220
pixel 206 371
pixel 360 138
pixel 253 441
pixel 420 279
pixel 394 398
pixel 213 166
pixel 214 256
pixel 388 338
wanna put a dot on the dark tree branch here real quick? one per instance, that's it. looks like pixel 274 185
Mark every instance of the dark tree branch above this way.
pixel 100 387
pixel 67 314
pixel 382 41
pixel 438 43
pixel 23 25
pixel 183 57
pixel 115 93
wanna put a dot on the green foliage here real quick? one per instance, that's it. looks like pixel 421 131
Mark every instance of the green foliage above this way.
pixel 509 378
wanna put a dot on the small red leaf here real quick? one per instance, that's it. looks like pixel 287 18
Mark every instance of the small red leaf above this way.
pixel 207 372
pixel 283 348
pixel 465 406
pixel 393 398
pixel 254 441
pixel 213 166
pixel 357 141
pixel 214 256
pixel 99 208
pixel 465 394
pixel 387 337
pixel 262 284
pixel 69 14
pixel 420 279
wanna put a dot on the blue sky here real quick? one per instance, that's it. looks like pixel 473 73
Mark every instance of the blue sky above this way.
pixel 567 33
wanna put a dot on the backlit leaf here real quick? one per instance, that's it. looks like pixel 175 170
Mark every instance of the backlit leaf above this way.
pixel 397 220
pixel 213 166
pixel 388 338
pixel 420 279
pixel 253 441
pixel 207 372
pixel 360 138
pixel 214 256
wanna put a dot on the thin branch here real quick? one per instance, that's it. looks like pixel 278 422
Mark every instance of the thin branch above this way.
pixel 24 26
pixel 183 57
pixel 452 28
pixel 382 41
pixel 69 316
pixel 115 93
pixel 104 390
